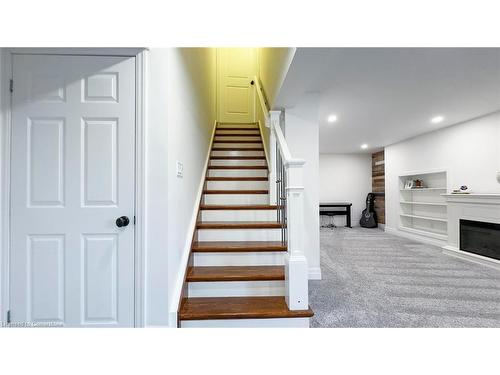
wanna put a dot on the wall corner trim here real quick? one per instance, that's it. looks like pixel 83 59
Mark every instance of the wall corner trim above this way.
pixel 314 273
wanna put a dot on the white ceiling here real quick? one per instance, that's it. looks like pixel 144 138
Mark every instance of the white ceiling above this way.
pixel 385 95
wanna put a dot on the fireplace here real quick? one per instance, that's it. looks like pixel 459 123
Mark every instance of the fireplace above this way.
pixel 481 238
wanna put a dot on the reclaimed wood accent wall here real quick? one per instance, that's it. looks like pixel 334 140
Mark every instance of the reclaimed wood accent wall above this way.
pixel 378 184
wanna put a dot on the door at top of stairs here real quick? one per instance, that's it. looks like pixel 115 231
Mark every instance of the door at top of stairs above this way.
pixel 236 68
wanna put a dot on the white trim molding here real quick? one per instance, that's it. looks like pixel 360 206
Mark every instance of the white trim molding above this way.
pixel 475 207
pixel 141 66
pixel 314 273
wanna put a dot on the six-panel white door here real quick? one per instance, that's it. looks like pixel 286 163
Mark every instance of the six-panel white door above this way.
pixel 72 176
pixel 236 68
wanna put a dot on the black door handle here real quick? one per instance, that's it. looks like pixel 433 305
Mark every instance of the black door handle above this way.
pixel 122 221
pixel 252 82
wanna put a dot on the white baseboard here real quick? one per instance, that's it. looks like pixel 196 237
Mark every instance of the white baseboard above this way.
pixel 314 273
pixel 414 237
pixel 457 253
pixel 248 323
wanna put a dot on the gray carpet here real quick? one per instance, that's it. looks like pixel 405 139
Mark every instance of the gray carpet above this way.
pixel 373 279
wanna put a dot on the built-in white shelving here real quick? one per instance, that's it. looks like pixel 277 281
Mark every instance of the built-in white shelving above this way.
pixel 424 203
pixel 425 217
pixel 423 189
pixel 422 210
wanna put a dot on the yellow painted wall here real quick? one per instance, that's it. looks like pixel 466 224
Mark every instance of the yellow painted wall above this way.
pixel 273 66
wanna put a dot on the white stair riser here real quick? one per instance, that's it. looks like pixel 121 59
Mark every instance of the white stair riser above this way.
pixel 248 323
pixel 237 153
pixel 237 172
pixel 237 138
pixel 276 258
pixel 238 162
pixel 238 215
pixel 237 145
pixel 255 132
pixel 236 199
pixel 239 235
pixel 236 288
pixel 237 185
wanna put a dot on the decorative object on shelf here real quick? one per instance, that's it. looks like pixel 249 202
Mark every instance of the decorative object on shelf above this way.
pixel 418 183
pixel 409 184
pixel 464 189
pixel 415 184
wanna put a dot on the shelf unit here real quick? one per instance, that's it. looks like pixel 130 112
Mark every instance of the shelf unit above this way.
pixel 423 211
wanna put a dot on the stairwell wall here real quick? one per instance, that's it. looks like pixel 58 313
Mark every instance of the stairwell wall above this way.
pixel 181 114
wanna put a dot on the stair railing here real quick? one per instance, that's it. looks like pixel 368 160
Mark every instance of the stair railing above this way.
pixel 287 190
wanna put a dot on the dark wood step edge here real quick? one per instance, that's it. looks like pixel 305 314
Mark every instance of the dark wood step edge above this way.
pixel 237 149
pixel 237 167
pixel 239 247
pixel 235 191
pixel 237 134
pixel 242 178
pixel 235 273
pixel 237 157
pixel 238 141
pixel 238 207
pixel 238 225
pixel 213 308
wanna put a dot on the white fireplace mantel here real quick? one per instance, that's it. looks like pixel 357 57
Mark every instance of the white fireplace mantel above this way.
pixel 476 207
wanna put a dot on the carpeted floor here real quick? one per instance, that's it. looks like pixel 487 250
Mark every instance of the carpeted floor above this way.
pixel 373 279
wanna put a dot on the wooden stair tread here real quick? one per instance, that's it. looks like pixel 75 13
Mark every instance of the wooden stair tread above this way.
pixel 237 167
pixel 238 141
pixel 237 158
pixel 237 149
pixel 238 225
pixel 237 246
pixel 235 191
pixel 203 308
pixel 237 134
pixel 237 128
pixel 238 207
pixel 235 273
pixel 242 178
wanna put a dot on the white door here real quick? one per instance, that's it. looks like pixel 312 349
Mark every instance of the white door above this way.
pixel 72 176
pixel 236 68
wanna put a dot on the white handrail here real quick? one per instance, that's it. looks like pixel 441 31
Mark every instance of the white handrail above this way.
pixel 262 101
pixel 286 155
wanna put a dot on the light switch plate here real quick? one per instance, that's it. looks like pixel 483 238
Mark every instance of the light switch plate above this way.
pixel 180 169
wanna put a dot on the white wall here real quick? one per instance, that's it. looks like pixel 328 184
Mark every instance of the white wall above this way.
pixel 181 119
pixel 302 136
pixel 345 178
pixel 273 66
pixel 470 152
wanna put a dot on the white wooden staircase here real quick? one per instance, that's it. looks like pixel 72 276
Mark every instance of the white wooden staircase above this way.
pixel 240 272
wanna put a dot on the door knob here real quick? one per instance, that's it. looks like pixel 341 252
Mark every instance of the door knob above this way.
pixel 122 221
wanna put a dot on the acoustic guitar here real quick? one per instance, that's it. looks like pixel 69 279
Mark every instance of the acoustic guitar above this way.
pixel 368 216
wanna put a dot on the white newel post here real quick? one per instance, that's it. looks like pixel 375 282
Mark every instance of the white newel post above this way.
pixel 274 120
pixel 296 270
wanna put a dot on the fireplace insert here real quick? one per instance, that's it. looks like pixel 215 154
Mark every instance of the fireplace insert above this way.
pixel 480 238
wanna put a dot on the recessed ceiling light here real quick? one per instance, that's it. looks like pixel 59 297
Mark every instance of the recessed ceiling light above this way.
pixel 332 118
pixel 437 119
pixel 364 146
